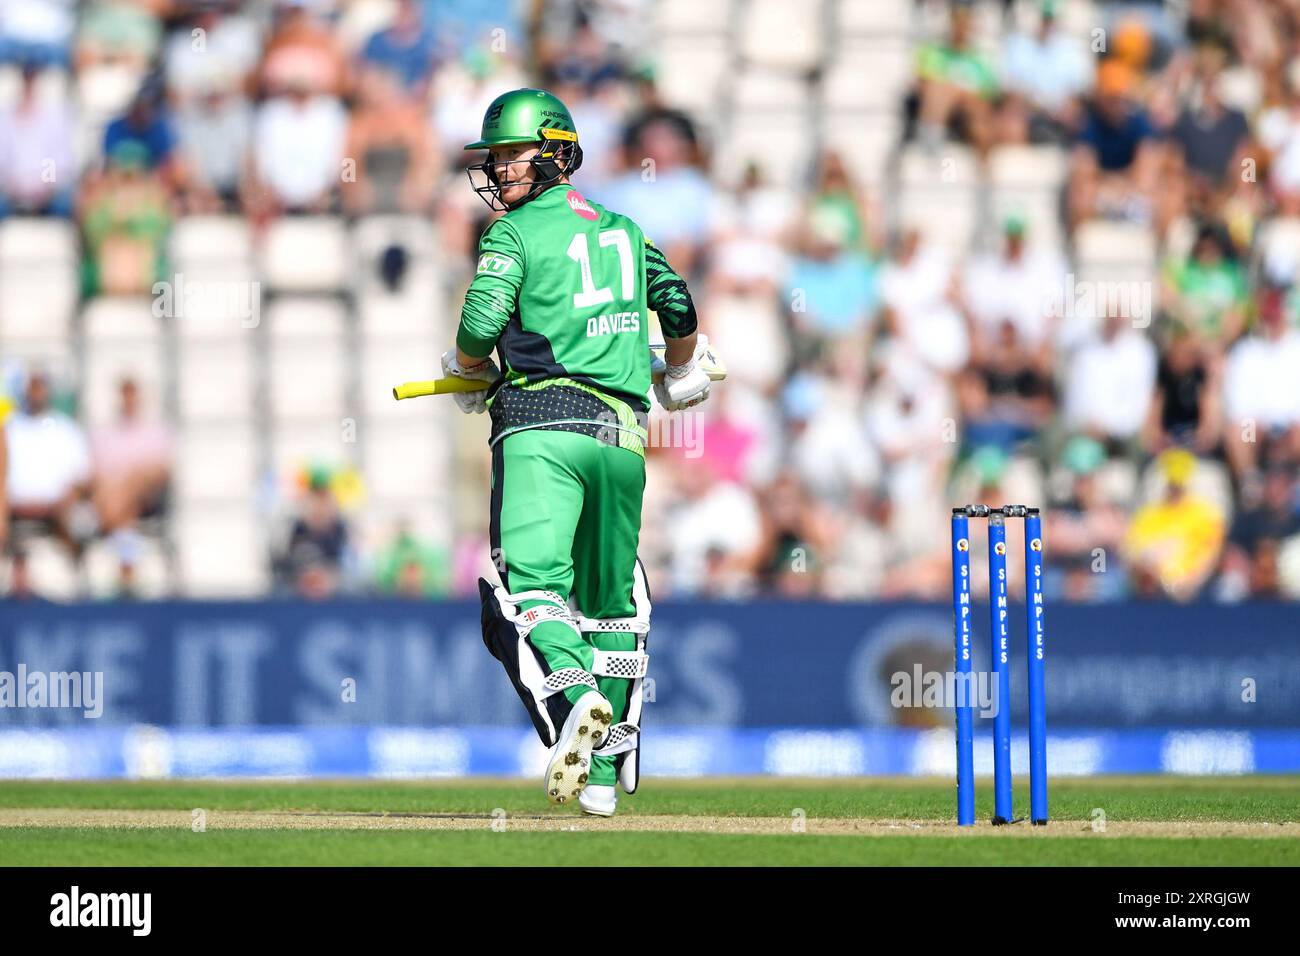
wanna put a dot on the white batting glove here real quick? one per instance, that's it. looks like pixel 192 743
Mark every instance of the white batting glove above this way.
pixel 486 371
pixel 682 386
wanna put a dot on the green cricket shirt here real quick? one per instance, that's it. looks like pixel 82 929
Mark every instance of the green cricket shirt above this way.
pixel 562 291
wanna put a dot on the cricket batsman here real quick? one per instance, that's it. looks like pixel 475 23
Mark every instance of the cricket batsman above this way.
pixel 561 294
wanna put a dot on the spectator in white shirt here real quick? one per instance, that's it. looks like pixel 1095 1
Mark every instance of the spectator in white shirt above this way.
pixel 1049 70
pixel 861 558
pixel 1017 284
pixel 37 170
pixel 750 229
pixel 921 299
pixel 218 50
pixel 49 463
pixel 1278 129
pixel 911 419
pixel 37 31
pixel 829 451
pixel 297 158
pixel 1261 390
pixel 713 530
pixel 214 130
pixel 5 408
pixel 1109 383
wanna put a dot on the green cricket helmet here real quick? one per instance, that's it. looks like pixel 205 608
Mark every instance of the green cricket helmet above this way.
pixel 521 117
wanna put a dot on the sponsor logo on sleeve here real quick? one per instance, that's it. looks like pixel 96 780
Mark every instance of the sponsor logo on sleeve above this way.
pixel 494 263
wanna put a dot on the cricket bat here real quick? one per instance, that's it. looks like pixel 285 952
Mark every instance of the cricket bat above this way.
pixel 704 355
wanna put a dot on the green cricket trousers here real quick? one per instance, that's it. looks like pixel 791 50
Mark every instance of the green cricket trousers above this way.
pixel 566 518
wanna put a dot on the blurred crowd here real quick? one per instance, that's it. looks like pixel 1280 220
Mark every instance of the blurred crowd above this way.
pixel 877 378
pixel 1160 431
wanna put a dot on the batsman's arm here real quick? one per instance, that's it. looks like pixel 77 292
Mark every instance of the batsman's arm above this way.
pixel 679 351
pixel 492 295
pixel 667 294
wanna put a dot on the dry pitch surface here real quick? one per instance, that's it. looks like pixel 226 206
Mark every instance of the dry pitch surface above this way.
pixel 736 821
pixel 639 823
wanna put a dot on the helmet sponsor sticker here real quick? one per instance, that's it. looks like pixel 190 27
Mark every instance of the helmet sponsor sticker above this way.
pixel 581 206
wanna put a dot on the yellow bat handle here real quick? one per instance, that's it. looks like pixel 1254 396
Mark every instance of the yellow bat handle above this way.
pixel 437 386
pixel 707 358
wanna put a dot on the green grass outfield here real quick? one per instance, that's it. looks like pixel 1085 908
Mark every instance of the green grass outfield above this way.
pixel 736 821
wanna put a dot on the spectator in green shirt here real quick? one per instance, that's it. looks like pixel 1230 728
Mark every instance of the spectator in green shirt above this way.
pixel 957 85
pixel 408 567
pixel 1207 290
pixel 125 222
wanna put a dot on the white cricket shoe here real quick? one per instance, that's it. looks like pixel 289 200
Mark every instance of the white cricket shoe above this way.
pixel 570 763
pixel 599 800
